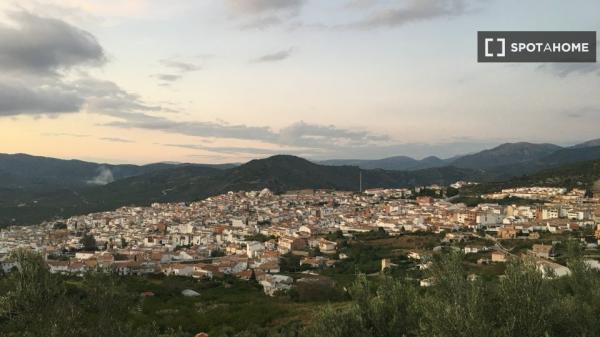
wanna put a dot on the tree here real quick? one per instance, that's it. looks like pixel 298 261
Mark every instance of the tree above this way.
pixel 59 225
pixel 455 305
pixel 525 301
pixel 388 311
pixel 88 242
pixel 451 191
pixel 34 302
pixel 217 253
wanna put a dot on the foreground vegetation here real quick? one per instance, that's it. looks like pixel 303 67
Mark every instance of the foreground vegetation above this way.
pixel 34 302
pixel 521 303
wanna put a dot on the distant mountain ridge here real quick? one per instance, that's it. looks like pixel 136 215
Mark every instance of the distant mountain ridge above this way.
pixel 36 188
pixel 589 143
pixel 519 156
pixel 391 163
pixel 505 154
pixel 43 173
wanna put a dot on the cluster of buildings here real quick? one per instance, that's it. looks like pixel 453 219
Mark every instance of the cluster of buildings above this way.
pixel 245 234
pixel 536 193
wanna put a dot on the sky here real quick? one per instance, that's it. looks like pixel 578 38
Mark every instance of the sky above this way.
pixel 215 81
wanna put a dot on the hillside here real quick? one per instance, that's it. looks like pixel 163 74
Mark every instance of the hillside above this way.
pixel 576 175
pixel 589 143
pixel 189 183
pixel 571 155
pixel 23 171
pixel 506 154
pixel 582 175
pixel 36 188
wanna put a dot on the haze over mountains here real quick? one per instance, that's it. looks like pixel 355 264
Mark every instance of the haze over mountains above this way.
pixel 33 188
pixel 504 154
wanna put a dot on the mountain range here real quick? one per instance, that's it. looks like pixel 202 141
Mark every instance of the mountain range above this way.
pixel 529 154
pixel 33 188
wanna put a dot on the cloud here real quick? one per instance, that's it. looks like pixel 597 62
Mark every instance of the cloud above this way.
pixel 234 149
pixel 37 59
pixel 414 10
pixel 262 23
pixel 104 177
pixel 300 135
pixel 193 128
pixel 310 140
pixel 262 14
pixel 42 45
pixel 315 135
pixel 253 7
pixel 116 140
pixel 583 112
pixel 168 77
pixel 274 57
pixel 19 98
pixel 64 134
pixel 106 97
pixel 58 97
pixel 360 4
pixel 567 69
pixel 180 66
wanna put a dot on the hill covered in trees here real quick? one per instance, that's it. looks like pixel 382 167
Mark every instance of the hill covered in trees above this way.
pixel 192 182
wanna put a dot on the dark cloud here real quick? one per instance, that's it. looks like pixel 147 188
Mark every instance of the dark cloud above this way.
pixel 35 57
pixel 413 10
pixel 16 99
pixel 274 57
pixel 44 45
pixel 58 97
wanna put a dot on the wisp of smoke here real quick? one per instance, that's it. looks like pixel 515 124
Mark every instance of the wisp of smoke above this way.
pixel 104 177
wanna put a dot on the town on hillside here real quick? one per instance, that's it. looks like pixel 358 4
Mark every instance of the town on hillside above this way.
pixel 255 235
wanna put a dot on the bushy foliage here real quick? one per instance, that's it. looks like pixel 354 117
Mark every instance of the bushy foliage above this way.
pixel 34 302
pixel 522 303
